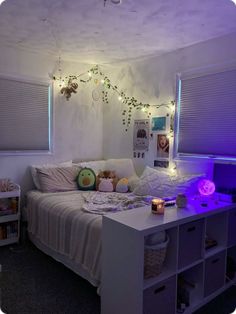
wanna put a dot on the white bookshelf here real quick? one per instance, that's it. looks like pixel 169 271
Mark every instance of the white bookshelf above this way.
pixel 10 216
pixel 124 289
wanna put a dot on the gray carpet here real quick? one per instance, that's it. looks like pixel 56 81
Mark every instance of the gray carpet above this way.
pixel 33 283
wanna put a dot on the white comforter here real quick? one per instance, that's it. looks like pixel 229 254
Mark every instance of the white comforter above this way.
pixel 70 223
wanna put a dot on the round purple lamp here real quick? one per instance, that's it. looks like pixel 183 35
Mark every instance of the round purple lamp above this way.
pixel 206 187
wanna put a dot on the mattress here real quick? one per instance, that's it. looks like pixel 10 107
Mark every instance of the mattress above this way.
pixel 68 226
pixel 58 226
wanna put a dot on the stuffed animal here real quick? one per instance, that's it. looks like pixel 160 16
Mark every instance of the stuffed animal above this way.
pixel 122 186
pixel 69 89
pixel 86 179
pixel 106 181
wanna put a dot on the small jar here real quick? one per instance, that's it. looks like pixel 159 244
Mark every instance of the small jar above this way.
pixel 158 206
pixel 181 200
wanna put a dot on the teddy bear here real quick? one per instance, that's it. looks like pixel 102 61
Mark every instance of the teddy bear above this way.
pixel 69 89
pixel 106 181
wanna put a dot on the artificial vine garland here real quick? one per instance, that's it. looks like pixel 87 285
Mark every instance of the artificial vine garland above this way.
pixel 69 85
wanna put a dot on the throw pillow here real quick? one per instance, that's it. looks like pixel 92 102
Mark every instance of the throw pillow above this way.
pixel 58 179
pixel 86 179
pixel 162 184
pixel 34 168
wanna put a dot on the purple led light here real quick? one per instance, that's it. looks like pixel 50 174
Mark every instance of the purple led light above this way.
pixel 206 187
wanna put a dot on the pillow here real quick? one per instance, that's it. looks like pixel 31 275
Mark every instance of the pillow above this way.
pixel 57 179
pixel 95 165
pixel 133 181
pixel 124 168
pixel 162 184
pixel 86 179
pixel 34 168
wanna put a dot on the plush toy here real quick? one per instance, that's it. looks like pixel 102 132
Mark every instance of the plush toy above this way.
pixel 69 89
pixel 86 179
pixel 122 186
pixel 106 181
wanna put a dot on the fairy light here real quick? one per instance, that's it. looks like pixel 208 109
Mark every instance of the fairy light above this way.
pixel 102 81
pixel 119 98
pixel 89 74
pixel 1 1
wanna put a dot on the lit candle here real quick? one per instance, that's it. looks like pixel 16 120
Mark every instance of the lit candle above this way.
pixel 158 206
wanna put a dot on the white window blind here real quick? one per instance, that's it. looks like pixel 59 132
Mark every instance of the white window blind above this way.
pixel 24 116
pixel 207 115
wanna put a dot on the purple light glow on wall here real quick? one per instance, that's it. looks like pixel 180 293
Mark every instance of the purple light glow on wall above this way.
pixel 206 187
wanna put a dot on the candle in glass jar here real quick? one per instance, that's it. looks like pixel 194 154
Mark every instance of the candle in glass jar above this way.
pixel 158 206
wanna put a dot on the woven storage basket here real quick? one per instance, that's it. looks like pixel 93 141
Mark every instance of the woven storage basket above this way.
pixel 154 257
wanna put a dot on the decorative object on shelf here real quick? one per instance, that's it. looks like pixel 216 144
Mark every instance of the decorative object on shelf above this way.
pixel 206 187
pixel 161 163
pixel 6 185
pixel 181 200
pixel 96 76
pixel 158 206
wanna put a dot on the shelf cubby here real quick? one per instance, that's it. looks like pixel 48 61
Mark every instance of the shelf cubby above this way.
pixel 215 234
pixel 214 278
pixel 231 227
pixel 190 242
pixel 160 297
pixel 190 287
pixel 231 264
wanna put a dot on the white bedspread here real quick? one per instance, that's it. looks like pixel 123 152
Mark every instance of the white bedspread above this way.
pixel 70 223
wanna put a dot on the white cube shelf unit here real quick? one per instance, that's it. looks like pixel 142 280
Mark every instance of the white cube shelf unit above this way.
pixel 10 216
pixel 197 267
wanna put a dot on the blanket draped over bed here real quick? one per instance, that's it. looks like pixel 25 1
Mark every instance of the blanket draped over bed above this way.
pixel 70 223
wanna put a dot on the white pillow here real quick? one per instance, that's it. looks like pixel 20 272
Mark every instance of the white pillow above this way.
pixel 133 182
pixel 162 184
pixel 96 165
pixel 33 169
pixel 123 167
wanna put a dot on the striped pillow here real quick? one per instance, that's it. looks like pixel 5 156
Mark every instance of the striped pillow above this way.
pixel 58 179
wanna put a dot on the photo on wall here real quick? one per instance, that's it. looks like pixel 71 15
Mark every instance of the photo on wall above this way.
pixel 163 146
pixel 141 135
pixel 161 163
pixel 158 123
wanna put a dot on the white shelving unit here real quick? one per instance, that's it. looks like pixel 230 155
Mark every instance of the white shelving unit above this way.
pixel 193 272
pixel 10 216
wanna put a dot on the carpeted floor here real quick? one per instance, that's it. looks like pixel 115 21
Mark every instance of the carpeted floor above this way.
pixel 33 283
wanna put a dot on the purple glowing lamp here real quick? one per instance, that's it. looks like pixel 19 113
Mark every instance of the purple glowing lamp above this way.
pixel 206 187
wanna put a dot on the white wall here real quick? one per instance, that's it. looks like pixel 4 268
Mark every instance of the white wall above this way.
pixel 77 122
pixel 153 81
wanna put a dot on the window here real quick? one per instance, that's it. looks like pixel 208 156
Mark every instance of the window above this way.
pixel 206 115
pixel 25 116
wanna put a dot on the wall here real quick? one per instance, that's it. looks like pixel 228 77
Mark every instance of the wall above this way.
pixel 77 123
pixel 153 81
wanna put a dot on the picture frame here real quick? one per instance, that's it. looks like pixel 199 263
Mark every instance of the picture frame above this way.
pixel 159 123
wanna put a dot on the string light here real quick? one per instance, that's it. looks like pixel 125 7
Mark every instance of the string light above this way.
pixel 98 76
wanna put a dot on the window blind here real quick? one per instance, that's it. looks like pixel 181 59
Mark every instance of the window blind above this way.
pixel 207 115
pixel 24 116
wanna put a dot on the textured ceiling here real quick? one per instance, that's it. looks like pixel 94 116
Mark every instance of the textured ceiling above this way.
pixel 86 31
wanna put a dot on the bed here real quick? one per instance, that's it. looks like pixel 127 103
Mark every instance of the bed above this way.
pixel 67 225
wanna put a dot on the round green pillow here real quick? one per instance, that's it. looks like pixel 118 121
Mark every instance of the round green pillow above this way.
pixel 86 179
